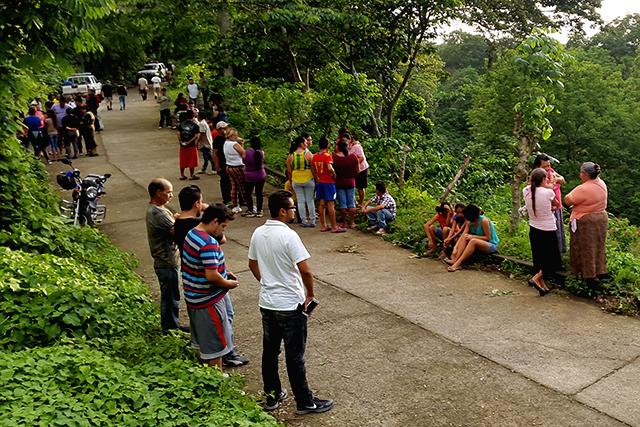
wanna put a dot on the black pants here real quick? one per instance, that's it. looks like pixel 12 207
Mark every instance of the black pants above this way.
pixel 225 185
pixel 39 143
pixel 206 158
pixel 143 94
pixel 544 251
pixel 89 139
pixel 290 327
pixel 165 118
pixel 248 190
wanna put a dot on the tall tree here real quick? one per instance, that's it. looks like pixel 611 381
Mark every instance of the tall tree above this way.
pixel 519 94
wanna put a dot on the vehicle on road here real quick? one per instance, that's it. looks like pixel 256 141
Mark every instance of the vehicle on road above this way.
pixel 153 69
pixel 80 84
pixel 83 208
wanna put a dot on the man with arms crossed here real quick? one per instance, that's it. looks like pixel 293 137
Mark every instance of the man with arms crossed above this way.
pixel 166 258
pixel 205 282
pixel 278 260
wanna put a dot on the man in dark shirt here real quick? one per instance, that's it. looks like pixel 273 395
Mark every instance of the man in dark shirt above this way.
pixel 71 130
pixel 220 163
pixel 107 92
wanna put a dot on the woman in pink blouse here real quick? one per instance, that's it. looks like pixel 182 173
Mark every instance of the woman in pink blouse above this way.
pixel 589 222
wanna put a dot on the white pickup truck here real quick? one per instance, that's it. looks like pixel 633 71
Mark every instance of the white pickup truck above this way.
pixel 80 84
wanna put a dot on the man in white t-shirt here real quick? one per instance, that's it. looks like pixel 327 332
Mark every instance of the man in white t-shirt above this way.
pixel 279 261
pixel 193 90
pixel 142 86
pixel 205 143
pixel 156 81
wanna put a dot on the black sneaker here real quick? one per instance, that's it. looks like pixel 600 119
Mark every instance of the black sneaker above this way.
pixel 318 406
pixel 235 360
pixel 273 403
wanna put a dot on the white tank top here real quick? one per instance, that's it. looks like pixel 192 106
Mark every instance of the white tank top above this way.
pixel 233 157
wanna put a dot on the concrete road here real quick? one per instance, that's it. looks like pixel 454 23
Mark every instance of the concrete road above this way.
pixel 396 340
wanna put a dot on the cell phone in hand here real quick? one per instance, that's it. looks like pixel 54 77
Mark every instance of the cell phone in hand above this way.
pixel 310 307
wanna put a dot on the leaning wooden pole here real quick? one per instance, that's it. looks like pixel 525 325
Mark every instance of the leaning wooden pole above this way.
pixel 456 178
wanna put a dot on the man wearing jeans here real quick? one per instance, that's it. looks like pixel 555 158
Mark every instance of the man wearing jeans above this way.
pixel 279 261
pixel 166 257
pixel 380 210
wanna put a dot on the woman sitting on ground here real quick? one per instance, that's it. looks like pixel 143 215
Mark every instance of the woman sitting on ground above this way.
pixel 540 201
pixel 589 222
pixel 479 235
pixel 435 234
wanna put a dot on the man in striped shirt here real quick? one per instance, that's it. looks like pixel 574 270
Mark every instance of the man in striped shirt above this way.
pixel 205 282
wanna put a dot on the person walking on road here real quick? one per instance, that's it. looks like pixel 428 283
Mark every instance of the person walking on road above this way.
pixel 107 92
pixel 143 84
pixel 156 81
pixel 166 258
pixel 193 90
pixel 121 90
pixel 279 261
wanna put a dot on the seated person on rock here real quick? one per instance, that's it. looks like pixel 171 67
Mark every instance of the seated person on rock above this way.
pixel 435 234
pixel 479 236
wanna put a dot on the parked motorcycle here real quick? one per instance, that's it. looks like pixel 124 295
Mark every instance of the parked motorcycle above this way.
pixel 84 208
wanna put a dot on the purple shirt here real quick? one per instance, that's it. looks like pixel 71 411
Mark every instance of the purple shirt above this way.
pixel 254 172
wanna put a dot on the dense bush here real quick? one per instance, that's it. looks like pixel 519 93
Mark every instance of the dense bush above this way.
pixel 78 385
pixel 45 297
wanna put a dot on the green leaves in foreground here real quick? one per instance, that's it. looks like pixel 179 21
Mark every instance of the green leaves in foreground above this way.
pixel 79 386
pixel 44 298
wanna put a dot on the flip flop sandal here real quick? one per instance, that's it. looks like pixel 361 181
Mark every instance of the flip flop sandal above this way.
pixel 183 178
pixel 324 229
pixel 452 269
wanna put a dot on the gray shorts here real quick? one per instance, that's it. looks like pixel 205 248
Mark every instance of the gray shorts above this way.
pixel 211 332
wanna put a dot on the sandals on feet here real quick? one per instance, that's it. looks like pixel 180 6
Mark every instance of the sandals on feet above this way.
pixel 324 229
pixel 183 178
pixel 451 269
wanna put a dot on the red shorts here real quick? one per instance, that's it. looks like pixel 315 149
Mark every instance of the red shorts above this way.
pixel 188 157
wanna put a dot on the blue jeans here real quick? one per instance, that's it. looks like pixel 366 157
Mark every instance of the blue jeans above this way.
pixel 169 297
pixel 346 198
pixel 206 158
pixel 306 203
pixel 122 99
pixel 229 305
pixel 380 218
pixel 290 327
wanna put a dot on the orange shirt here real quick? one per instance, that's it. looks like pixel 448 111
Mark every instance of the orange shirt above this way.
pixel 588 197
pixel 321 162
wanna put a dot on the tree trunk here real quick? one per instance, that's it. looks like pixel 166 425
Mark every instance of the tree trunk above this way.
pixel 224 23
pixel 293 61
pixel 520 171
pixel 403 166
pixel 389 112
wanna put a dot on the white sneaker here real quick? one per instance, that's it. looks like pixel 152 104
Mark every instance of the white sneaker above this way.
pixel 236 210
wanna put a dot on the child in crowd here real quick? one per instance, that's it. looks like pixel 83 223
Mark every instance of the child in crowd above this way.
pixel 443 217
pixel 325 178
pixel 457 226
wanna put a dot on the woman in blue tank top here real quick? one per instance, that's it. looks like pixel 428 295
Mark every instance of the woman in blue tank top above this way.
pixel 479 235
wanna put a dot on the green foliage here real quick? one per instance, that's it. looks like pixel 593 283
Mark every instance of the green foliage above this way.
pixel 45 298
pixel 344 100
pixel 77 385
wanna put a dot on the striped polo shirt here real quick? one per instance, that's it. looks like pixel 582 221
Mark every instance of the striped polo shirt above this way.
pixel 199 252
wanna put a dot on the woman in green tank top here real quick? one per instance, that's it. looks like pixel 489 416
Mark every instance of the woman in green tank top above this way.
pixel 479 235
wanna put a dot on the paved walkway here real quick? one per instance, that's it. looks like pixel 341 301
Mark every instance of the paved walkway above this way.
pixel 396 340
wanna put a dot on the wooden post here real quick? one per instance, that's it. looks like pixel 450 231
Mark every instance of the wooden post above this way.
pixel 456 178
